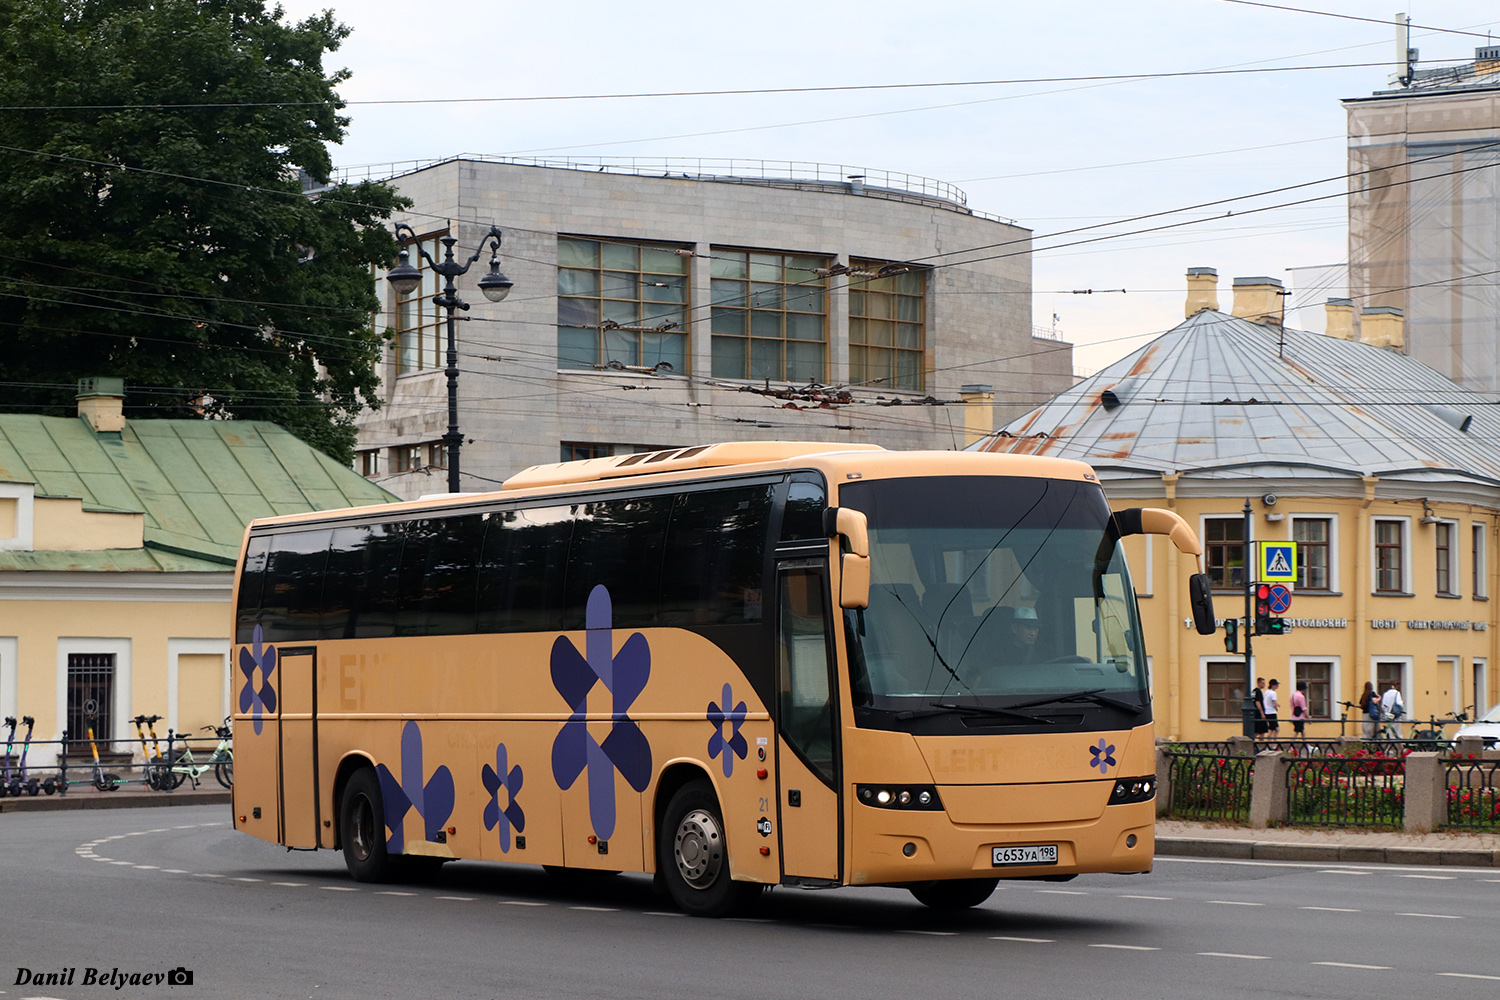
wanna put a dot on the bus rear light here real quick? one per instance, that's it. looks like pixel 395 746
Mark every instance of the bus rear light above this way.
pixel 1129 790
pixel 911 797
pixel 761 773
pixel 765 852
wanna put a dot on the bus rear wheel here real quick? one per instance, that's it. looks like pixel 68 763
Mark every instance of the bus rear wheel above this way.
pixel 958 894
pixel 693 855
pixel 362 829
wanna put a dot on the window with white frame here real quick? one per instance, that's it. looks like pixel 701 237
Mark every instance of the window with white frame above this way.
pixel 1224 683
pixel 1479 559
pixel 1315 557
pixel 1397 671
pixel 1224 555
pixel 1451 670
pixel 1445 557
pixel 1481 691
pixel 1389 565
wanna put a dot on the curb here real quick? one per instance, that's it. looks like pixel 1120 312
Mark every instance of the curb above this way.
pixel 107 800
pixel 1247 850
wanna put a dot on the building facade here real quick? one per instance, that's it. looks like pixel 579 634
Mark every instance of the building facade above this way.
pixel 1384 472
pixel 690 302
pixel 118 542
pixel 1424 213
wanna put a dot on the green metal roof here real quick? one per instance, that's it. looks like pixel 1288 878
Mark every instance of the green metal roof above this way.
pixel 198 483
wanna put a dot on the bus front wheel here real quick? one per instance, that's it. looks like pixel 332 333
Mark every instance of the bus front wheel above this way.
pixel 693 857
pixel 362 829
pixel 958 894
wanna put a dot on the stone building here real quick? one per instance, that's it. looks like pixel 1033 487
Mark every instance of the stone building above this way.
pixel 1382 470
pixel 684 302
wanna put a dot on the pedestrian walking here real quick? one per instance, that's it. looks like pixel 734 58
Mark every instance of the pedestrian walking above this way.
pixel 1273 726
pixel 1369 707
pixel 1299 709
pixel 1259 697
pixel 1392 708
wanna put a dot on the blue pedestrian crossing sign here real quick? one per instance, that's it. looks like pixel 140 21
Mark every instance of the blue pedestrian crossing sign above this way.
pixel 1278 562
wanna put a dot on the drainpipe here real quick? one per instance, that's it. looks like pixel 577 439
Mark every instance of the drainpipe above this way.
pixel 1361 672
pixel 1173 587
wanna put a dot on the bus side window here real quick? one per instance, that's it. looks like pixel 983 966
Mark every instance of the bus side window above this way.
pixel 521 571
pixel 439 576
pixel 619 544
pixel 805 502
pixel 292 602
pixel 712 572
pixel 807 706
pixel 363 563
pixel 252 581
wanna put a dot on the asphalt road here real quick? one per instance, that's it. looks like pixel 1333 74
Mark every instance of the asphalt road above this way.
pixel 149 890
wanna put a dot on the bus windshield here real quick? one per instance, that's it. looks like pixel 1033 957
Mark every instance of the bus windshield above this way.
pixel 993 592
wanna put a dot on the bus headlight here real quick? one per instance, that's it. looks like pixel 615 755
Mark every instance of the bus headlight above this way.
pixel 911 797
pixel 1129 790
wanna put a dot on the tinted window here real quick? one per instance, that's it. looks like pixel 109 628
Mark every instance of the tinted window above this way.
pixel 292 602
pixel 618 543
pixel 712 572
pixel 359 587
pixel 805 503
pixel 439 570
pixel 521 572
pixel 252 581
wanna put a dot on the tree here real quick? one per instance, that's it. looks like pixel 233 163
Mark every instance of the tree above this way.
pixel 154 221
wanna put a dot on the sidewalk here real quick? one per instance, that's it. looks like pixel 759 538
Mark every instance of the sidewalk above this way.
pixel 1350 846
pixel 129 796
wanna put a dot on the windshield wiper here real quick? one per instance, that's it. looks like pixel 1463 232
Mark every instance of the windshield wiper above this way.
pixel 987 710
pixel 1095 695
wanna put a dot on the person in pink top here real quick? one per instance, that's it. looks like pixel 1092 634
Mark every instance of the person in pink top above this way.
pixel 1299 708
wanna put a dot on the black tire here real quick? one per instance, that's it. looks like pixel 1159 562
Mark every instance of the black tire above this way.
pixel 33 787
pixel 175 777
pixel 957 894
pixel 692 854
pixel 107 783
pixel 362 829
pixel 224 771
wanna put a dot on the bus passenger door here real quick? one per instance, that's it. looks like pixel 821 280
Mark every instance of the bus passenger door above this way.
pixel 807 714
pixel 298 710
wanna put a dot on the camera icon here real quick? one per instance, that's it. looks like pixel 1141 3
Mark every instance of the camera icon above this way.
pixel 180 976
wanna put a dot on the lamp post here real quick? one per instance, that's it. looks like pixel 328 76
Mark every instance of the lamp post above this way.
pixel 405 278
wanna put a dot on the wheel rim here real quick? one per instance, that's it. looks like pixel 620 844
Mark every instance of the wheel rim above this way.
pixel 362 834
pixel 699 848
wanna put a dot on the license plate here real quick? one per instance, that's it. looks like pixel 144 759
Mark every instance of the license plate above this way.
pixel 1033 854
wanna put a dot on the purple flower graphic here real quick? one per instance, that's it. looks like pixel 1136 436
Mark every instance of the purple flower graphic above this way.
pixel 262 698
pixel 1103 757
pixel 624 676
pixel 433 801
pixel 718 743
pixel 508 816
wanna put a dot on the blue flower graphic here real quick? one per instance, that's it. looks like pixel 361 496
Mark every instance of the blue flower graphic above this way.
pixel 1103 757
pixel 508 816
pixel 433 800
pixel 624 676
pixel 718 744
pixel 262 698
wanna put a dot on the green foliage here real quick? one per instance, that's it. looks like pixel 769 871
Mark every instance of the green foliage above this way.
pixel 154 222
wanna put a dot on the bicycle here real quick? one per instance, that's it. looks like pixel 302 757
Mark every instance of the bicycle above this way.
pixel 1434 734
pixel 184 766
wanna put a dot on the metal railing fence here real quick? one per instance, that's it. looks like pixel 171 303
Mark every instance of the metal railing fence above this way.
pixel 1210 786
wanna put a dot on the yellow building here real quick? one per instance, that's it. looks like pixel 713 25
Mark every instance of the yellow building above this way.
pixel 1385 472
pixel 117 548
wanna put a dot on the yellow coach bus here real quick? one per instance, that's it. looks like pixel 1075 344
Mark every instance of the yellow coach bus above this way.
pixel 736 666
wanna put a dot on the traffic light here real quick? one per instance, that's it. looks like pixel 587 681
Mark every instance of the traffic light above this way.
pixel 1262 609
pixel 1231 635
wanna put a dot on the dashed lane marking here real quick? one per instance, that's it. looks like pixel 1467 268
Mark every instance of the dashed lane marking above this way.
pixel 1339 871
pixel 293 885
pixel 241 878
pixel 1444 878
pixel 206 875
pixel 1329 909
pixel 174 871
pixel 928 933
pixel 661 913
pixel 1230 954
pixel 1023 940
pixel 1232 902
pixel 120 862
pixel 459 899
pixel 1062 892
pixel 521 902
pixel 1468 975
pixel 146 868
pixel 338 888
pixel 378 892
pixel 1126 947
pixel 1351 965
pixel 596 909
pixel 1435 916
pixel 1163 898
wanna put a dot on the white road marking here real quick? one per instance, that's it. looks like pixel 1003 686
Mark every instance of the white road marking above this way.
pixel 1147 897
pixel 205 875
pixel 175 871
pixel 1445 878
pixel 1339 871
pixel 1003 937
pixel 338 888
pixel 1125 947
pixel 147 868
pixel 1062 892
pixel 459 899
pixel 929 933
pixel 120 862
pixel 1229 954
pixel 241 878
pixel 1468 975
pixel 299 884
pixel 1351 965
pixel 1232 902
pixel 1323 866
pixel 1435 916
pixel 190 826
pixel 378 892
pixel 595 909
pixel 521 902
pixel 662 913
pixel 1329 909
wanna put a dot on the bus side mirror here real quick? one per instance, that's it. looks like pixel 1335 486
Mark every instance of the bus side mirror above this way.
pixel 853 528
pixel 1201 597
pixel 1157 521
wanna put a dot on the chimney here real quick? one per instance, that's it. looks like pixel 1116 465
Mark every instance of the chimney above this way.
pixel 101 401
pixel 1382 326
pixel 979 411
pixel 1340 313
pixel 1202 290
pixel 1258 300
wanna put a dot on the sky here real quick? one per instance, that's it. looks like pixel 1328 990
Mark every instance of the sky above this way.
pixel 1052 156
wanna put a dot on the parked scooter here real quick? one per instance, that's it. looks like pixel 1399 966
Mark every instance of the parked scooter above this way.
pixel 10 741
pixel 156 770
pixel 102 781
pixel 25 782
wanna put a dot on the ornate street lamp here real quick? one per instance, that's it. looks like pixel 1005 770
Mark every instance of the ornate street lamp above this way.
pixel 405 278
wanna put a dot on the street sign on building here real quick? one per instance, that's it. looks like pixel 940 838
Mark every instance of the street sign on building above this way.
pixel 1278 562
